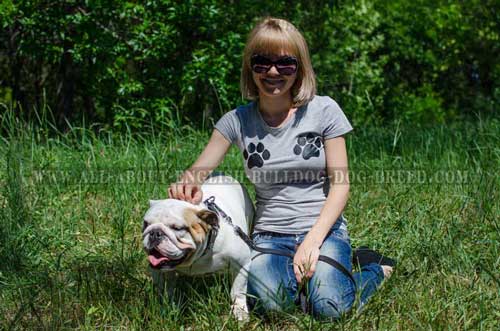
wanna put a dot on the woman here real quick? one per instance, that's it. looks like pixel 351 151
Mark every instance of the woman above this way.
pixel 294 152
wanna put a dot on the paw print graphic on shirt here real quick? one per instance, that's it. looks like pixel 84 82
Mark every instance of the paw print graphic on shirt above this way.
pixel 255 155
pixel 309 145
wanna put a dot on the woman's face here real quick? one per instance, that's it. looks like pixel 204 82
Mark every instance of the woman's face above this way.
pixel 272 83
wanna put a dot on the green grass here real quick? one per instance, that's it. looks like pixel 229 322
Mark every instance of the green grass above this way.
pixel 70 245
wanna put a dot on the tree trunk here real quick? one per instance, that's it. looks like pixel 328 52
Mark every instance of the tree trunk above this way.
pixel 18 97
pixel 66 87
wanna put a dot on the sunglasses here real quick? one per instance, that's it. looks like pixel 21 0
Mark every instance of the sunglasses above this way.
pixel 286 65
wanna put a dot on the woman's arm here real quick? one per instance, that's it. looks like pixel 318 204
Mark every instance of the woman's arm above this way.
pixel 307 254
pixel 188 186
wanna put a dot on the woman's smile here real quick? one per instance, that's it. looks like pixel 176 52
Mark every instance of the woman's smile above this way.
pixel 274 82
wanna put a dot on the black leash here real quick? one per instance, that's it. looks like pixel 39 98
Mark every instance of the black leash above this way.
pixel 212 206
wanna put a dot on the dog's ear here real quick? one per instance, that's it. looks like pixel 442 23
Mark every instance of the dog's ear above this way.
pixel 199 222
pixel 153 202
pixel 208 217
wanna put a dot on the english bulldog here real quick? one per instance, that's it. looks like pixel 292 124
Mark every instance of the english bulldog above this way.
pixel 181 238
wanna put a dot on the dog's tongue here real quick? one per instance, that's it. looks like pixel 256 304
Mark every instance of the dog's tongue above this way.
pixel 156 259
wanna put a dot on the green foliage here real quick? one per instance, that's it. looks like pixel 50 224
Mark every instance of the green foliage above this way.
pixel 128 63
pixel 344 43
pixel 444 54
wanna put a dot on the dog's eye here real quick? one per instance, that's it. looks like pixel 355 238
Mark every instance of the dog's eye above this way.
pixel 179 228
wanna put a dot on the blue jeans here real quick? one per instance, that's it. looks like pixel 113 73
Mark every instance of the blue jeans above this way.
pixel 272 285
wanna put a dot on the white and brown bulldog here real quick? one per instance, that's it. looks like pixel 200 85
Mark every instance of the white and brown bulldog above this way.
pixel 182 238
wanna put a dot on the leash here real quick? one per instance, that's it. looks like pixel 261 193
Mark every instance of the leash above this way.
pixel 212 206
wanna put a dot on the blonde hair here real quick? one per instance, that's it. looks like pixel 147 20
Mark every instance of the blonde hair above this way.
pixel 271 36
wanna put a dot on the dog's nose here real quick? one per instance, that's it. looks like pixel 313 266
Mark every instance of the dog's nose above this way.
pixel 155 237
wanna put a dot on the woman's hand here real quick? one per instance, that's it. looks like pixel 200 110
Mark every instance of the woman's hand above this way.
pixel 188 187
pixel 184 190
pixel 305 259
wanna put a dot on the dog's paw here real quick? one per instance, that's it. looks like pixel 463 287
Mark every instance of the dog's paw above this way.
pixel 256 155
pixel 240 311
pixel 309 145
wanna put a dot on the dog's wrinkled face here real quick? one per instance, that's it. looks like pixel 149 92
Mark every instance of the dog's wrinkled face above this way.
pixel 173 231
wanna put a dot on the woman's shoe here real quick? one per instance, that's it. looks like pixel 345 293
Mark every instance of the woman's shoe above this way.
pixel 364 255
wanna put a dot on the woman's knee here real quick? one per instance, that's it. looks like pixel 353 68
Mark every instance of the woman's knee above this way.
pixel 269 287
pixel 263 300
pixel 332 293
pixel 331 307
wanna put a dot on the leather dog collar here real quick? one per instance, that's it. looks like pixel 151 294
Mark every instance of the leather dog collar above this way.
pixel 212 234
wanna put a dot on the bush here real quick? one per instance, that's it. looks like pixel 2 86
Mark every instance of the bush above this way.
pixel 125 63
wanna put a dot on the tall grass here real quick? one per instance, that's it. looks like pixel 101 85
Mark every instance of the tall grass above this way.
pixel 71 205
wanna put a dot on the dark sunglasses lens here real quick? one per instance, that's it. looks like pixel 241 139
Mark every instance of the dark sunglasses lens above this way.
pixel 260 69
pixel 260 64
pixel 287 70
pixel 287 66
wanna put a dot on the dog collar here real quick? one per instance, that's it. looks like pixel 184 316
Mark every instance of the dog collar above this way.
pixel 212 234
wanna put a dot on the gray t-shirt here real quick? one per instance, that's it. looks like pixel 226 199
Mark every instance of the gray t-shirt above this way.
pixel 287 163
